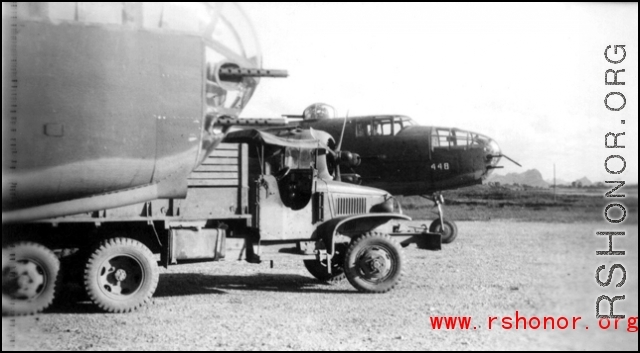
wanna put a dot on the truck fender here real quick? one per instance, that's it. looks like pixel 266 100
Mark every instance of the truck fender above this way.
pixel 358 224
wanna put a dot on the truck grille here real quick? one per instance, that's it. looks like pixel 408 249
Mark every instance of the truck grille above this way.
pixel 350 205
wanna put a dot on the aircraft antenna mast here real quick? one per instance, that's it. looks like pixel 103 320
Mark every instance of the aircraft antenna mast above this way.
pixel 554 182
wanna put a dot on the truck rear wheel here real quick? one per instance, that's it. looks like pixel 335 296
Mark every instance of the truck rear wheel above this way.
pixel 373 263
pixel 448 230
pixel 29 276
pixel 121 275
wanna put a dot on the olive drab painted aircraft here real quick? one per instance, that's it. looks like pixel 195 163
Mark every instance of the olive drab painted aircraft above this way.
pixel 112 104
pixel 408 159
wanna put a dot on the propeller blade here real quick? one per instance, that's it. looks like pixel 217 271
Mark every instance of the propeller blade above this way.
pixel 338 176
pixel 514 162
pixel 344 126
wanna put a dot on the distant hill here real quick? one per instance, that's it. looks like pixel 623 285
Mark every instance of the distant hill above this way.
pixel 584 182
pixel 531 177
pixel 558 182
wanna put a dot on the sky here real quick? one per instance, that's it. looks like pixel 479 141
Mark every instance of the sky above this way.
pixel 531 76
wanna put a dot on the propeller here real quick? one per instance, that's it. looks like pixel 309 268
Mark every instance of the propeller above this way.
pixel 512 161
pixel 507 157
pixel 339 147
pixel 339 156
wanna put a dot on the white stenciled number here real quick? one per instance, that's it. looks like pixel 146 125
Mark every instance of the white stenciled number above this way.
pixel 440 166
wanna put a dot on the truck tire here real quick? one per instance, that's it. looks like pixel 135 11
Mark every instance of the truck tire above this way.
pixel 29 279
pixel 121 275
pixel 319 270
pixel 449 231
pixel 373 263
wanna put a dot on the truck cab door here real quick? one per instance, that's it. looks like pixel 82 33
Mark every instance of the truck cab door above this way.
pixel 284 207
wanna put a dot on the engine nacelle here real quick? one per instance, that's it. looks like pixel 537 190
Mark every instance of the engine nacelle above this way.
pixel 349 159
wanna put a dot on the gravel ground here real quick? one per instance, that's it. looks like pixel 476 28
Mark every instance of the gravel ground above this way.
pixel 492 269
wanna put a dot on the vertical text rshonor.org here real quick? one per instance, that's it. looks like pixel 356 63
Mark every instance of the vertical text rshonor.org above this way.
pixel 614 164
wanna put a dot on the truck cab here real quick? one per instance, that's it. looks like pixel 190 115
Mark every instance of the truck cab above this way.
pixel 297 199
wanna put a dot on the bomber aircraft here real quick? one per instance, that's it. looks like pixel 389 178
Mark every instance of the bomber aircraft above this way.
pixel 405 158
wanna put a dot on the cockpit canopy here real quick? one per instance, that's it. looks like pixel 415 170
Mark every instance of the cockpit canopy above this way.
pixel 456 138
pixel 319 111
pixel 452 138
pixel 382 126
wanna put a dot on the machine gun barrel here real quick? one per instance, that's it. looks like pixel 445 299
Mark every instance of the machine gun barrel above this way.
pixel 231 73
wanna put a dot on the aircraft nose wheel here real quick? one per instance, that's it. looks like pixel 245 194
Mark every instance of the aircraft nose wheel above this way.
pixel 447 229
pixel 444 227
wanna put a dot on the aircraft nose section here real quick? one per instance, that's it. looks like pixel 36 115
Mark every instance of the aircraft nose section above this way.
pixel 493 154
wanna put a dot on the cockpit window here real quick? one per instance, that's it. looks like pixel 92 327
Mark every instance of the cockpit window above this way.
pixel 362 129
pixel 440 137
pixel 461 138
pixel 450 138
pixel 456 139
pixel 406 121
pixel 384 127
pixel 378 127
pixel 401 122
pixel 367 128
pixel 397 126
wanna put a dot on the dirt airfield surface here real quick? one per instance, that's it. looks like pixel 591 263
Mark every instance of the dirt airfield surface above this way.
pixel 493 269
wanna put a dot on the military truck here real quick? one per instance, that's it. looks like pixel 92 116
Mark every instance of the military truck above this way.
pixel 255 186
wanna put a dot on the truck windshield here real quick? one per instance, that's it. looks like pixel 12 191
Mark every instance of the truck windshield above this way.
pixel 299 158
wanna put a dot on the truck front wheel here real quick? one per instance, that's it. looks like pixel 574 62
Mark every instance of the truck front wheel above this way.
pixel 121 275
pixel 373 263
pixel 29 276
pixel 318 269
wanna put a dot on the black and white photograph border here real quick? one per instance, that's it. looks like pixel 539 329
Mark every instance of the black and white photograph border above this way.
pixel 472 167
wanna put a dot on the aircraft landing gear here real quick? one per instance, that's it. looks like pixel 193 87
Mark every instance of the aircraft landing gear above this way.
pixel 445 227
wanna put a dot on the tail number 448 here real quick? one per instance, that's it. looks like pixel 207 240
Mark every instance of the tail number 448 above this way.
pixel 440 166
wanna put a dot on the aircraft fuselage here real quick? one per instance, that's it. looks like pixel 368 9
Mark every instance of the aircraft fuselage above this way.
pixel 408 159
